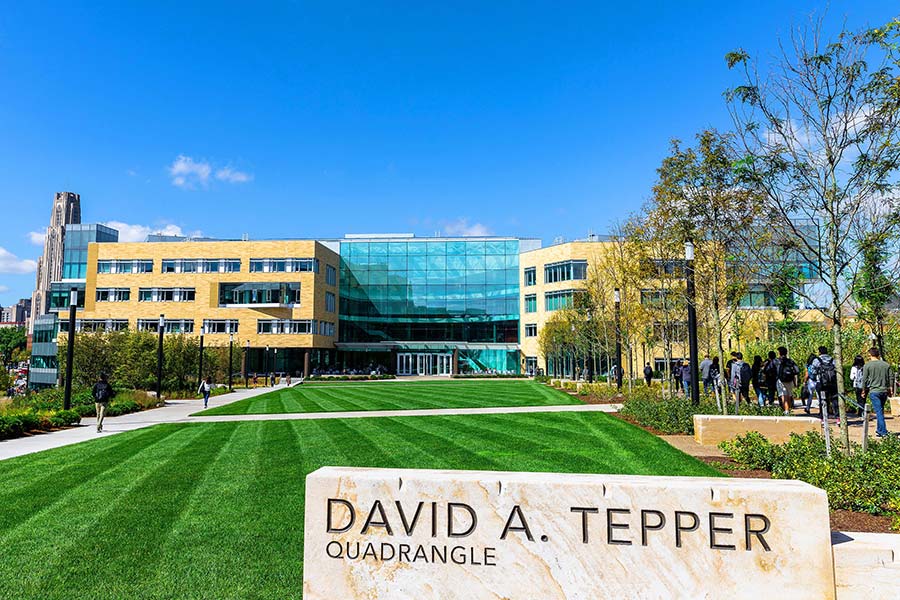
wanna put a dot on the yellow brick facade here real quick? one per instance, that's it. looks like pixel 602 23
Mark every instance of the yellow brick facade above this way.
pixel 313 288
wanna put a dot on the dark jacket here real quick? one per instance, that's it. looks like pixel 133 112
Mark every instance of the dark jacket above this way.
pixel 102 392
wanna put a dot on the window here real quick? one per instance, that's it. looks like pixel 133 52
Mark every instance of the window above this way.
pixel 326 328
pixel 757 297
pixel 220 326
pixel 243 294
pixel 285 326
pixel 284 265
pixel 166 295
pixel 666 267
pixel 329 302
pixel 530 276
pixel 330 275
pixel 171 325
pixel 113 294
pixel 566 270
pixel 125 266
pixel 101 324
pixel 531 303
pixel 558 300
pixel 675 331
pixel 653 298
pixel 201 265
pixel 531 330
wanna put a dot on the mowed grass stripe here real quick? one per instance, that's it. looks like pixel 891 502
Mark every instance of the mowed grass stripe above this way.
pixel 216 509
pixel 338 397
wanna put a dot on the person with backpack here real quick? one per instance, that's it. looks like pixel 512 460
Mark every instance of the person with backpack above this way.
pixel 824 373
pixel 770 377
pixel 740 380
pixel 787 373
pixel 205 389
pixel 856 378
pixel 758 381
pixel 102 393
pixel 648 374
pixel 704 374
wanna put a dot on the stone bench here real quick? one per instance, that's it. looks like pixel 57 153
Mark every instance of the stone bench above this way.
pixel 709 430
pixel 866 565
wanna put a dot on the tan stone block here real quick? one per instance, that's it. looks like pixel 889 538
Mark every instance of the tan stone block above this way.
pixel 709 430
pixel 448 535
pixel 866 565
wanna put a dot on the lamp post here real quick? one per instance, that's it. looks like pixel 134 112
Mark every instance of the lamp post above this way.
pixel 590 349
pixel 692 320
pixel 245 365
pixel 230 358
pixel 200 368
pixel 70 348
pixel 159 358
pixel 618 301
pixel 274 366
pixel 266 365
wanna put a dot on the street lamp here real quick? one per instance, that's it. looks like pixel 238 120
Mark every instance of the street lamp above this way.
pixel 200 368
pixel 266 365
pixel 70 348
pixel 230 359
pixel 245 366
pixel 692 320
pixel 618 301
pixel 159 358
pixel 274 366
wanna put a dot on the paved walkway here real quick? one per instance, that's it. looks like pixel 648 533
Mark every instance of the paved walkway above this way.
pixel 179 411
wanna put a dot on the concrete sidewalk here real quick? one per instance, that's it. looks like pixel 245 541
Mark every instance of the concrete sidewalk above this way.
pixel 179 411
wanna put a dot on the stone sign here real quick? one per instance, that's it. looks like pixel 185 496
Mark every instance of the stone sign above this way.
pixel 416 534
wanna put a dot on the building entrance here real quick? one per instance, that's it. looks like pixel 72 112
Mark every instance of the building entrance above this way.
pixel 423 363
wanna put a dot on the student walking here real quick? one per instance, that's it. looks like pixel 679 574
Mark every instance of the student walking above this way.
pixel 824 372
pixel 686 378
pixel 770 377
pixel 856 378
pixel 704 373
pixel 876 381
pixel 205 389
pixel 648 374
pixel 102 393
pixel 740 380
pixel 715 374
pixel 758 380
pixel 788 372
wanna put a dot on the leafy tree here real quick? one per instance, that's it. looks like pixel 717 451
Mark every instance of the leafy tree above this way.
pixel 874 287
pixel 818 139
pixel 11 339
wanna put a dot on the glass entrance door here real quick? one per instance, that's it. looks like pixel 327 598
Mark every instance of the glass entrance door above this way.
pixel 443 364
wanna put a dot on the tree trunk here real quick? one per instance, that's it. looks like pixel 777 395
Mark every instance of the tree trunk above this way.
pixel 838 364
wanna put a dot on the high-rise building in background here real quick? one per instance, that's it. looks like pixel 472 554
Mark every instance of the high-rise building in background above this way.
pixel 66 211
pixel 17 314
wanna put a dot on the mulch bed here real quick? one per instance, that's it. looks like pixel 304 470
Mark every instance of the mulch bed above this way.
pixel 636 424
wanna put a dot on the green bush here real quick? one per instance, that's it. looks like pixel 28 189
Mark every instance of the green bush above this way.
pixel 676 415
pixel 864 482
pixel 489 376
pixel 751 450
pixel 350 377
pixel 17 424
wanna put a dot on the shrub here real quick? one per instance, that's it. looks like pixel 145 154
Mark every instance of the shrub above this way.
pixel 865 482
pixel 350 377
pixel 676 415
pixel 489 376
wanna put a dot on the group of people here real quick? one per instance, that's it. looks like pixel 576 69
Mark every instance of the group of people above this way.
pixel 778 379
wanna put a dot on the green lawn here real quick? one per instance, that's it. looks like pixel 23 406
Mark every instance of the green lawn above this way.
pixel 327 397
pixel 215 510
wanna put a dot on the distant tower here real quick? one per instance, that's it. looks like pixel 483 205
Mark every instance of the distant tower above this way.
pixel 66 210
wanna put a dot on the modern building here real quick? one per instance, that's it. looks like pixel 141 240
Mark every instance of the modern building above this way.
pixel 430 306
pixel 66 211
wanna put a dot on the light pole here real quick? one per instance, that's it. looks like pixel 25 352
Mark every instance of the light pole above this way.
pixel 692 320
pixel 200 368
pixel 274 366
pixel 590 348
pixel 245 365
pixel 70 348
pixel 159 358
pixel 266 365
pixel 618 301
pixel 230 358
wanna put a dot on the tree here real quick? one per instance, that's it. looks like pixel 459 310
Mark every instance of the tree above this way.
pixel 818 139
pixel 874 287
pixel 11 339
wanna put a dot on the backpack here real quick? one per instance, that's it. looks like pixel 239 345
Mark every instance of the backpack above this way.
pixel 826 375
pixel 745 375
pixel 787 369
pixel 102 392
pixel 770 370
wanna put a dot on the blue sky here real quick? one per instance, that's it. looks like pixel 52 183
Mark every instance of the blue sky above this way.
pixel 291 119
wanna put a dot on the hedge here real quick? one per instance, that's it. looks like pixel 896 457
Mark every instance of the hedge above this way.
pixel 14 425
pixel 676 415
pixel 489 376
pixel 861 481
pixel 349 377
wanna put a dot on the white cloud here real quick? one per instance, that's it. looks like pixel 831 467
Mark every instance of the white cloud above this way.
pixel 139 233
pixel 10 263
pixel 462 228
pixel 231 176
pixel 131 173
pixel 3 289
pixel 187 173
pixel 37 237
